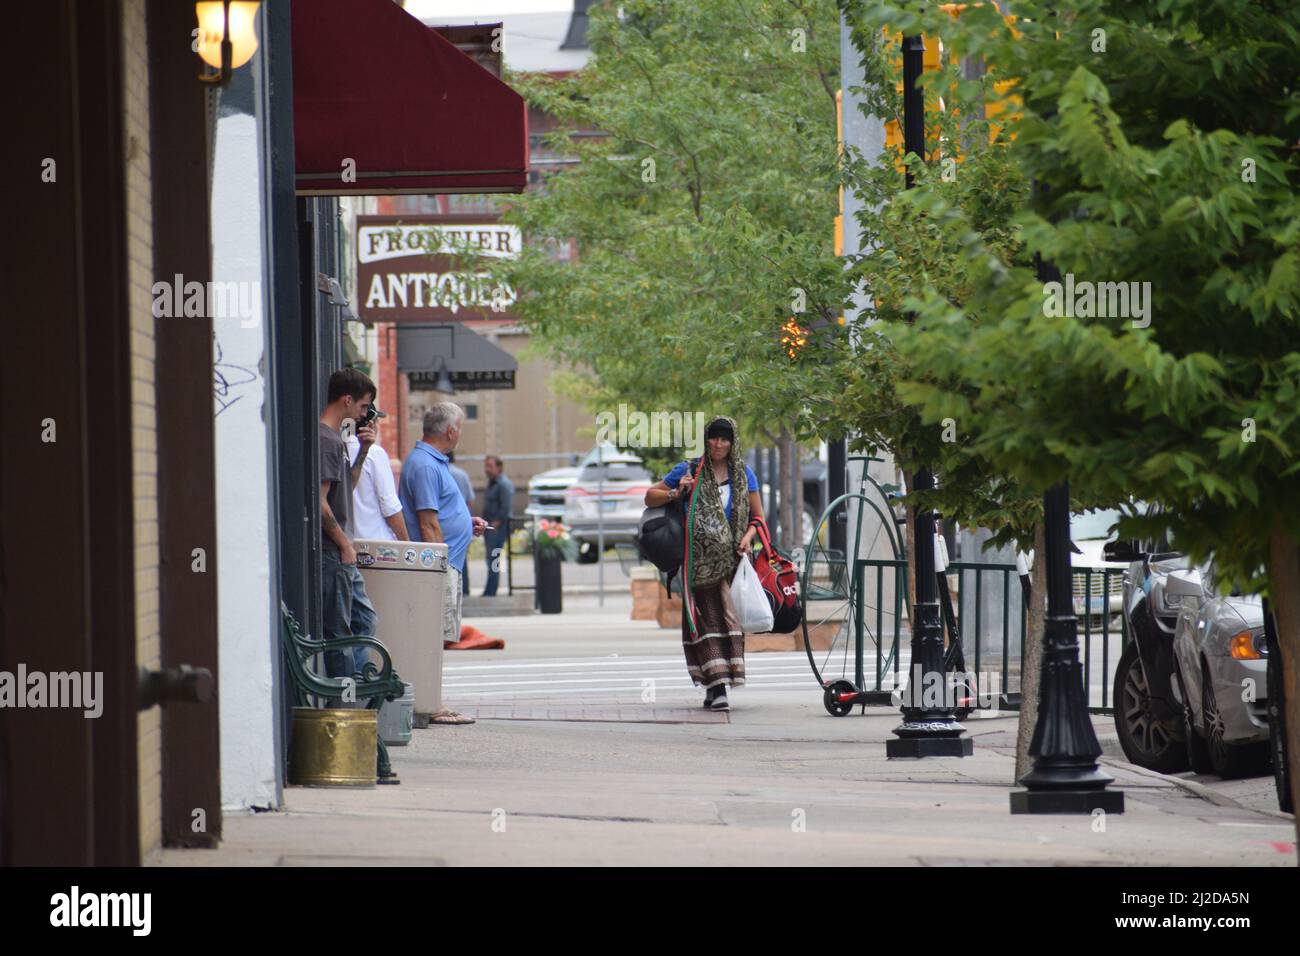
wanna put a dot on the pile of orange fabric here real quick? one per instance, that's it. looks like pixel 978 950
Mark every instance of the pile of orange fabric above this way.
pixel 472 639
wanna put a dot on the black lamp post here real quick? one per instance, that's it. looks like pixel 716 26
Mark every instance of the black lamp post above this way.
pixel 1065 777
pixel 926 731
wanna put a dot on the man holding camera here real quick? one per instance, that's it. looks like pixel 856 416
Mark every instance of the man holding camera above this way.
pixel 346 609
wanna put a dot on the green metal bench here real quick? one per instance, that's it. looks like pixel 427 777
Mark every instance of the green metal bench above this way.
pixel 375 684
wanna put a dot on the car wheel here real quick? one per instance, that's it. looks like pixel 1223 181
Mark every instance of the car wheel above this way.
pixel 1198 753
pixel 1147 741
pixel 1277 730
pixel 1229 761
pixel 587 553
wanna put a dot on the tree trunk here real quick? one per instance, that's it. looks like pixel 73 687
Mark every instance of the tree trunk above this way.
pixel 909 542
pixel 1031 661
pixel 786 445
pixel 797 536
pixel 1284 595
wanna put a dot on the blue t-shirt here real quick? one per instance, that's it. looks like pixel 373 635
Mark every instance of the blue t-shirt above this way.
pixel 674 478
pixel 427 484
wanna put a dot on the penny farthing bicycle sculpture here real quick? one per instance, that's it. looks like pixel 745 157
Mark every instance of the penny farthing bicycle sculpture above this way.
pixel 846 610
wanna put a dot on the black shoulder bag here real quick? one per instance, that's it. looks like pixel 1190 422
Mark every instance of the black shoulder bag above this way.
pixel 661 536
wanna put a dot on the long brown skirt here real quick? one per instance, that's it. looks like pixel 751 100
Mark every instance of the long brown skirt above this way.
pixel 716 654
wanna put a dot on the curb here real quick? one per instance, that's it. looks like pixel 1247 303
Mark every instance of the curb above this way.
pixel 1195 789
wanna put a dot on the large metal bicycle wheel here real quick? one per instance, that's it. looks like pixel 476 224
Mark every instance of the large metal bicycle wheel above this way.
pixel 839 626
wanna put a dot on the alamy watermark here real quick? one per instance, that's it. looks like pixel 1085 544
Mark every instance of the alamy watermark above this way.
pixel 73 689
pixel 129 910
pixel 1102 300
pixel 216 300
pixel 931 690
pixel 636 429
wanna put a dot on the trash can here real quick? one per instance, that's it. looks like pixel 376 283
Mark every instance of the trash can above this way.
pixel 395 717
pixel 405 582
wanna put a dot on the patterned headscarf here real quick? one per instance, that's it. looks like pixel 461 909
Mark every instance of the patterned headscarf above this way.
pixel 712 540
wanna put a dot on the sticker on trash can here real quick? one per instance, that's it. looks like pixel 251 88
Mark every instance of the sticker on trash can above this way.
pixel 409 555
pixel 426 557
pixel 365 559
pixel 387 555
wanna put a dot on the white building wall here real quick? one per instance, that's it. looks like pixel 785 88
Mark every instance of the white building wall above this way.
pixel 247 604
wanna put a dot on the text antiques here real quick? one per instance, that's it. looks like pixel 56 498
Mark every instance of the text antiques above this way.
pixel 423 270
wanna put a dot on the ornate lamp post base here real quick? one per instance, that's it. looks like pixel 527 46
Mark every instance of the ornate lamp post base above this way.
pixel 938 739
pixel 1067 801
pixel 1065 777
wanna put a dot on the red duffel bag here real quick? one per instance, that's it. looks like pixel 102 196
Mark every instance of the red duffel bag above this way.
pixel 780 582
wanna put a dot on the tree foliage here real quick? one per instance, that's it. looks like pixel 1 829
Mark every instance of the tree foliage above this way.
pixel 1168 157
pixel 701 217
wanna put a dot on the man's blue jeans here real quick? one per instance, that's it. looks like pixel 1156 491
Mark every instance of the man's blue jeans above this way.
pixel 494 541
pixel 346 612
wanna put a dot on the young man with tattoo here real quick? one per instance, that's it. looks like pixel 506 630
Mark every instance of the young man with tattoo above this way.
pixel 346 609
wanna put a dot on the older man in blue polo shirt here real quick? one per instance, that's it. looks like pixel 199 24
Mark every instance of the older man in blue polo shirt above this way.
pixel 435 511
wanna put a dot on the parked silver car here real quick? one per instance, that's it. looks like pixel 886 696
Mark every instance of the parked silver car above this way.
pixel 610 505
pixel 546 493
pixel 1148 713
pixel 1221 667
pixel 546 490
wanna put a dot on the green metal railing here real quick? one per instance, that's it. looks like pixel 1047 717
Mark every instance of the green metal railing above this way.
pixel 1094 607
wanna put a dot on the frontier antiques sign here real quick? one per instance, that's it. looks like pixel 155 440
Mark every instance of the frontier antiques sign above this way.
pixel 407 269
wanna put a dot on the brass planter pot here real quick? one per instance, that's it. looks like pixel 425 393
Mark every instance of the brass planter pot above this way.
pixel 333 747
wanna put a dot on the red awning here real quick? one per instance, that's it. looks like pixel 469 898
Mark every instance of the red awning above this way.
pixel 373 84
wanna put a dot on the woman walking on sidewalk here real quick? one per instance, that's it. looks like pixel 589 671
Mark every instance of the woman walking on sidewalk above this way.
pixel 720 527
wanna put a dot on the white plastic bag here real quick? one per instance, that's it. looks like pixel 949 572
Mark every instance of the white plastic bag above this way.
pixel 751 602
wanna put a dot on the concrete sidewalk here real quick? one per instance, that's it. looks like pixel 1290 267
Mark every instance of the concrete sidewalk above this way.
pixel 615 781
pixel 786 784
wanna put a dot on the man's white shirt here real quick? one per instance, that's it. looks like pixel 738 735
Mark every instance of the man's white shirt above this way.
pixel 375 496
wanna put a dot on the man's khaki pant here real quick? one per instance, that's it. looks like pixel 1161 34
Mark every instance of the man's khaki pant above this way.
pixel 451 605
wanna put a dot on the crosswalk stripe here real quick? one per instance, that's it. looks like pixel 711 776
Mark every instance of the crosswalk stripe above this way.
pixel 620 662
pixel 611 690
pixel 633 681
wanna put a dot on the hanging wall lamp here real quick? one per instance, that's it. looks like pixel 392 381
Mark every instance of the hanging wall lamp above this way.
pixel 226 38
pixel 443 384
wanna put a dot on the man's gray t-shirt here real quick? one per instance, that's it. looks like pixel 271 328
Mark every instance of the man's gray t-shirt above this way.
pixel 334 469
pixel 499 498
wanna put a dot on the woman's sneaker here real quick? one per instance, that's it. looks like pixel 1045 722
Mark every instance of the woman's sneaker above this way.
pixel 710 695
pixel 720 701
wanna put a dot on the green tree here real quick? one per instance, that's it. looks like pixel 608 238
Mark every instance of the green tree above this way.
pixel 908 252
pixel 702 220
pixel 1162 141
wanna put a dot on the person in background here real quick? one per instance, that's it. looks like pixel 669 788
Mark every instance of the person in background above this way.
pixel 376 509
pixel 436 512
pixel 467 492
pixel 497 502
pixel 346 611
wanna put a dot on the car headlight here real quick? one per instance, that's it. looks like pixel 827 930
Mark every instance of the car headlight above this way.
pixel 1169 605
pixel 1247 646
